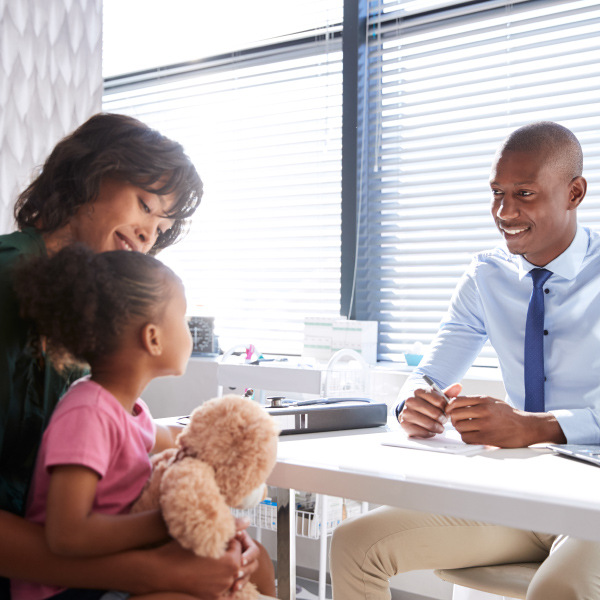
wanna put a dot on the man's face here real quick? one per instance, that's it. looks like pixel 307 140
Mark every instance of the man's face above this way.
pixel 533 206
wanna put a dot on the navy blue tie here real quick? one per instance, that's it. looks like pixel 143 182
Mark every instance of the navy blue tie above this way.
pixel 534 344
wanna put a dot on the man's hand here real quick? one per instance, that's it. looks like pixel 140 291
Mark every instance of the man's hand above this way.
pixel 424 413
pixel 485 420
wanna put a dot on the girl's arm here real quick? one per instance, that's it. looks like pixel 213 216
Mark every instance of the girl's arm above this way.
pixel 165 437
pixel 24 554
pixel 74 529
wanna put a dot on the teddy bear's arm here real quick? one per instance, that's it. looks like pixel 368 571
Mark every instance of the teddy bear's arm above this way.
pixel 194 510
pixel 148 499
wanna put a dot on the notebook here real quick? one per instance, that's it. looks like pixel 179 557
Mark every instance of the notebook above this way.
pixel 589 453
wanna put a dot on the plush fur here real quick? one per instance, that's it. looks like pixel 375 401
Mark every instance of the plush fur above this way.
pixel 224 454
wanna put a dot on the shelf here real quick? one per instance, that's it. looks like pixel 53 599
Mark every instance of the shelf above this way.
pixel 262 377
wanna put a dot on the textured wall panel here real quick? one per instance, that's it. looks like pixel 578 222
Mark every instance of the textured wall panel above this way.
pixel 50 82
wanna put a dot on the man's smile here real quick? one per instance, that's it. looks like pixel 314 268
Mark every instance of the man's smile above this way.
pixel 514 230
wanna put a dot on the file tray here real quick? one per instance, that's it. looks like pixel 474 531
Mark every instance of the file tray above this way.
pixel 329 414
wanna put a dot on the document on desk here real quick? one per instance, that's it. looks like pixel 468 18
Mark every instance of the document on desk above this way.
pixel 449 441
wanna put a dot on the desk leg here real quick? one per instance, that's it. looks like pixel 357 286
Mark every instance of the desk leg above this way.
pixel 323 534
pixel 286 544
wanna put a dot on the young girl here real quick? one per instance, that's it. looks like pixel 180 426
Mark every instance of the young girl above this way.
pixel 124 314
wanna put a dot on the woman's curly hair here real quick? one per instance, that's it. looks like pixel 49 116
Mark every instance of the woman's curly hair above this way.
pixel 80 302
pixel 110 145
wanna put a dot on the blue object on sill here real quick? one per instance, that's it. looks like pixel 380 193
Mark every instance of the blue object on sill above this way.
pixel 413 360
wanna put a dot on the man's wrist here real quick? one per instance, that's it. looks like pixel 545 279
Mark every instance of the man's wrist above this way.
pixel 544 428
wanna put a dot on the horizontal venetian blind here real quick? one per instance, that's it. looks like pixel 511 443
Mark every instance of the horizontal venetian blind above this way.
pixel 263 128
pixel 443 88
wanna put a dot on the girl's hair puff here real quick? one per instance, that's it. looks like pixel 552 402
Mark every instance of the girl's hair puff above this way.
pixel 117 146
pixel 81 302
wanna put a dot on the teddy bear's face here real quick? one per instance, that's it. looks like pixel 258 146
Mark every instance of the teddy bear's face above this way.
pixel 238 438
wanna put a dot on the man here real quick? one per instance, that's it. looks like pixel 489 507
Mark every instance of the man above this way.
pixel 538 301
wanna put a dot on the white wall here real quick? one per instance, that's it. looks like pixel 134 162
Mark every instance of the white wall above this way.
pixel 50 82
pixel 176 396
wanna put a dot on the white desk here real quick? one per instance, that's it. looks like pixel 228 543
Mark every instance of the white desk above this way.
pixel 523 488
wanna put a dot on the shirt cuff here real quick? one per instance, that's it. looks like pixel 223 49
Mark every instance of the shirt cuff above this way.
pixel 579 425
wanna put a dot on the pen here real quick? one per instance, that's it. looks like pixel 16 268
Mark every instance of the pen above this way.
pixel 435 387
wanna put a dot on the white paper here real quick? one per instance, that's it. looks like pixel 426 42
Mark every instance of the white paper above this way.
pixel 449 442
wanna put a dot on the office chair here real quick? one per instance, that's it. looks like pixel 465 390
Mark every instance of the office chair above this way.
pixel 510 581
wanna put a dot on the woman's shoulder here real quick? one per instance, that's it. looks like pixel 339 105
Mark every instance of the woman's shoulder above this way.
pixel 18 243
pixel 13 246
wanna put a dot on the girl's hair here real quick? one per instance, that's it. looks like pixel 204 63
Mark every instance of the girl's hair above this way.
pixel 81 302
pixel 110 145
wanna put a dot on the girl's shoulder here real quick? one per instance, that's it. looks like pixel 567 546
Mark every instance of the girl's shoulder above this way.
pixel 92 397
pixel 83 392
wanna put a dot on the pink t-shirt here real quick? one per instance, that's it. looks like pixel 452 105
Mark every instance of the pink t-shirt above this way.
pixel 89 427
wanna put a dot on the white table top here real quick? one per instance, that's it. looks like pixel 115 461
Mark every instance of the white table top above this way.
pixel 527 488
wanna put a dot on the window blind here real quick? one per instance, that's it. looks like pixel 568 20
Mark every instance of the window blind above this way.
pixel 263 128
pixel 441 89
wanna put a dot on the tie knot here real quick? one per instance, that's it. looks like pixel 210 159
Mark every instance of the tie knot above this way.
pixel 539 276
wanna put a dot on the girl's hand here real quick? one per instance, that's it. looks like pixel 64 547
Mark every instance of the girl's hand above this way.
pixel 249 553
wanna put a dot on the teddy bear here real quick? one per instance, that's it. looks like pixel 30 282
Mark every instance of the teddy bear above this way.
pixel 222 459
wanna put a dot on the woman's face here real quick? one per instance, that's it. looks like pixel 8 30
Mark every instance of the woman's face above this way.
pixel 123 217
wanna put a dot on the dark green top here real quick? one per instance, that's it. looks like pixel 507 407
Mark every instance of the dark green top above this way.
pixel 29 390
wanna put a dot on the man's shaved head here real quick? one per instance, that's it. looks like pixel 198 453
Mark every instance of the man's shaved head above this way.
pixel 537 185
pixel 555 143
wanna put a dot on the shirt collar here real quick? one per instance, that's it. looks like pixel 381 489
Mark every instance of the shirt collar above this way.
pixel 567 264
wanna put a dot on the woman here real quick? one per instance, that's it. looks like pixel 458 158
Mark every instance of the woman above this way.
pixel 114 183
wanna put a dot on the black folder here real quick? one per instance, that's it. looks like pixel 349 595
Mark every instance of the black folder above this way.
pixel 329 414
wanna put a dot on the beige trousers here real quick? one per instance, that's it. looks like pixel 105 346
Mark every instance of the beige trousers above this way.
pixel 367 550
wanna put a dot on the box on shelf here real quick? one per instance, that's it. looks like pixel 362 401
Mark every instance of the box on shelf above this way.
pixel 360 336
pixel 324 336
pixel 318 335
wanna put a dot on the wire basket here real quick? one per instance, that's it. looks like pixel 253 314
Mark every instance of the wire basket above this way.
pixel 308 522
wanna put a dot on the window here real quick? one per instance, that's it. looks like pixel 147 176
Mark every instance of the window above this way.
pixel 259 109
pixel 262 123
pixel 444 83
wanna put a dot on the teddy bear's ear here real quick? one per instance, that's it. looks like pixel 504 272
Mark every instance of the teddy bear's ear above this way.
pixel 194 509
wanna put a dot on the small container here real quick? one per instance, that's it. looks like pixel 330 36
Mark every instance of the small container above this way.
pixel 413 360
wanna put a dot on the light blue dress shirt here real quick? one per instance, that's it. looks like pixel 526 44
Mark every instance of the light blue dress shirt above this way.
pixel 491 301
